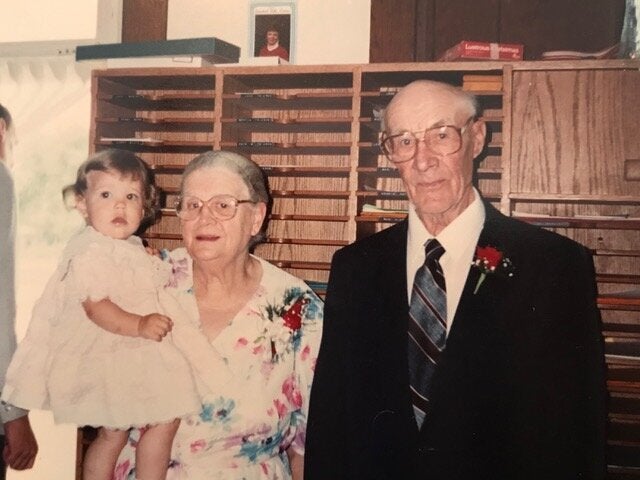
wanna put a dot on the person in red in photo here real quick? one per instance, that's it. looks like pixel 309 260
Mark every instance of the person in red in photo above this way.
pixel 272 47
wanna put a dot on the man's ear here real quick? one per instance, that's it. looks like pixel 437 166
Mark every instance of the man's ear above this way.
pixel 479 131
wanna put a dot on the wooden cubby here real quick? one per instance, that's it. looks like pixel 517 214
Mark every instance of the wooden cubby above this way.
pixel 562 143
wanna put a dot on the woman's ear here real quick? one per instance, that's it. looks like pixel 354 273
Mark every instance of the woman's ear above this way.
pixel 259 213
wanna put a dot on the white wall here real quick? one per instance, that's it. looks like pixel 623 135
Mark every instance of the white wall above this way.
pixel 41 20
pixel 327 31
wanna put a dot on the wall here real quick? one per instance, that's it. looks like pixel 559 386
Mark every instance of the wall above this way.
pixel 327 31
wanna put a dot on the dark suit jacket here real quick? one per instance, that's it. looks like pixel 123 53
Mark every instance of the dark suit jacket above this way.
pixel 519 392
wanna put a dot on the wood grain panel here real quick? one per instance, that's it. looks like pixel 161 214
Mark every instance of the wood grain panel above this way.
pixel 631 114
pixel 568 133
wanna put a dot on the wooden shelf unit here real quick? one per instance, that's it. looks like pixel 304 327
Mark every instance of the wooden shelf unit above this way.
pixel 561 136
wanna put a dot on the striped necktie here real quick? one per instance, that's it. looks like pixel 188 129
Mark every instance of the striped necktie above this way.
pixel 427 327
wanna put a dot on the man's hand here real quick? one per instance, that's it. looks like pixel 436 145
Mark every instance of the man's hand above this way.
pixel 154 326
pixel 20 447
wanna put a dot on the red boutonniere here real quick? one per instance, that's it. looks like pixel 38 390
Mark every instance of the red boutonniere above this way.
pixel 282 324
pixel 489 260
pixel 293 317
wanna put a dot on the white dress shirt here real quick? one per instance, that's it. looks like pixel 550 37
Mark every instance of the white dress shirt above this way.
pixel 459 240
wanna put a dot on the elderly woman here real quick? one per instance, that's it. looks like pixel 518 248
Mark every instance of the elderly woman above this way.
pixel 265 323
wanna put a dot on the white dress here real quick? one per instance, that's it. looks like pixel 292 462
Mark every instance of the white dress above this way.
pixel 89 376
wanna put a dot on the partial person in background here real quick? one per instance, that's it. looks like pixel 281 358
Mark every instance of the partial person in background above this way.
pixel 19 446
pixel 272 47
pixel 263 321
pixel 460 343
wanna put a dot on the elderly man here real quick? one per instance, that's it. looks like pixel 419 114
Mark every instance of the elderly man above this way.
pixel 19 443
pixel 459 343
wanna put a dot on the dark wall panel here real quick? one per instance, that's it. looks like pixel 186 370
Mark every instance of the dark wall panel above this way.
pixel 393 31
pixel 458 20
pixel 408 30
pixel 541 25
pixel 144 20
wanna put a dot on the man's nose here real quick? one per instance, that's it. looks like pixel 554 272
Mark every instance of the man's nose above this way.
pixel 425 157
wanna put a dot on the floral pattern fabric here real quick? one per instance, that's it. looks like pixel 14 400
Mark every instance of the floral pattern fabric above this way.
pixel 270 349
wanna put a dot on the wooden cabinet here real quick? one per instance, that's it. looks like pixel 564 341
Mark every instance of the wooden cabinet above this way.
pixel 563 153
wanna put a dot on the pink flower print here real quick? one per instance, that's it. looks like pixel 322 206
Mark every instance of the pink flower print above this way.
pixel 266 369
pixel 241 342
pixel 305 353
pixel 121 471
pixel 197 446
pixel 281 408
pixel 179 269
pixel 258 350
pixel 291 392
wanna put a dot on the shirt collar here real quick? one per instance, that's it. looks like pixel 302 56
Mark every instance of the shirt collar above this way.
pixel 456 236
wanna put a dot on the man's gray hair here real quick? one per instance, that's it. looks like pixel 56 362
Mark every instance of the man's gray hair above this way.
pixel 466 97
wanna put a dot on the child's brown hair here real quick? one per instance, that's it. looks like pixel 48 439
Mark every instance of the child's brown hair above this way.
pixel 126 164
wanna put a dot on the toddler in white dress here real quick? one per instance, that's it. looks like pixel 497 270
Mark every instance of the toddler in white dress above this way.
pixel 107 346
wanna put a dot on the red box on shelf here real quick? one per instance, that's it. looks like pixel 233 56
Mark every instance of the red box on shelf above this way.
pixel 470 50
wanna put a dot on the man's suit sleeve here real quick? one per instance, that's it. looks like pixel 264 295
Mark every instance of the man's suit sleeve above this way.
pixel 327 424
pixel 562 401
pixel 594 370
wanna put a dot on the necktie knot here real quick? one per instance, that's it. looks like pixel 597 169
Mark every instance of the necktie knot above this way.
pixel 433 250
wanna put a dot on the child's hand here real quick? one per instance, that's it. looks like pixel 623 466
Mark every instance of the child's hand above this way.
pixel 152 251
pixel 154 326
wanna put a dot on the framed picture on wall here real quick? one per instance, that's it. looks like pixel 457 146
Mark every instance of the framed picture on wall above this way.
pixel 272 29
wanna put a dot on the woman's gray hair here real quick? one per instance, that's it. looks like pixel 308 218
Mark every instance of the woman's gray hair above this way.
pixel 248 170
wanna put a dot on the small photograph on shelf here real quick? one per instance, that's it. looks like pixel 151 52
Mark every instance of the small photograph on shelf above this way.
pixel 272 33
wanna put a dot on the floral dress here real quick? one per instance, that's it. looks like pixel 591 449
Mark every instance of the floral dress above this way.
pixel 270 349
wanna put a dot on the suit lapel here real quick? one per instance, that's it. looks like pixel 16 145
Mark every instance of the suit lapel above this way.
pixel 395 272
pixel 480 305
